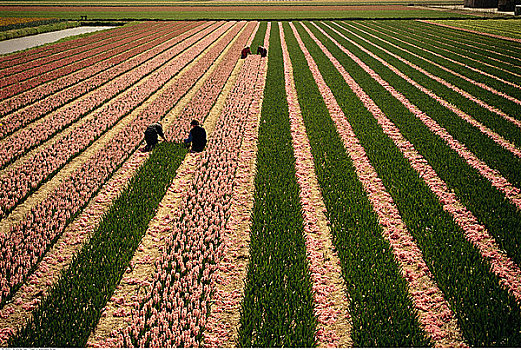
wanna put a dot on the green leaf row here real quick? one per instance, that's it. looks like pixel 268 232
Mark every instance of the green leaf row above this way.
pixel 73 306
pixel 488 315
pixel 277 309
pixel 381 308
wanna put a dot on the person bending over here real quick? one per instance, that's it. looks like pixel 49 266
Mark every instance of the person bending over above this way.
pixel 197 137
pixel 151 133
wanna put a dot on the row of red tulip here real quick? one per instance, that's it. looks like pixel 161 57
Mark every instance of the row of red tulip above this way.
pixel 109 60
pixel 24 81
pixel 26 242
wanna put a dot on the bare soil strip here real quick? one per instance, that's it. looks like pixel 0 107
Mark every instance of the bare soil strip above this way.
pixel 18 313
pixel 39 195
pixel 142 268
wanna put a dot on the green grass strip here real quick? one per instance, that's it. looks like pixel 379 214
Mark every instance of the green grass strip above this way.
pixel 73 306
pixel 381 309
pixel 258 40
pixel 502 218
pixel 277 309
pixel 488 315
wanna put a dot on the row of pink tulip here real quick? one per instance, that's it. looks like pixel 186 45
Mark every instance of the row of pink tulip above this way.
pixel 508 272
pixel 436 316
pixel 21 72
pixel 24 245
pixel 511 192
pixel 101 78
pixel 114 54
pixel 16 182
pixel 459 75
pixel 43 51
pixel 174 311
pixel 226 301
pixel 37 76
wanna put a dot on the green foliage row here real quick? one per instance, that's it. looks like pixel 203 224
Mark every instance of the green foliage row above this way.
pixel 277 309
pixel 258 40
pixel 502 218
pixel 73 306
pixel 487 314
pixel 504 27
pixel 381 309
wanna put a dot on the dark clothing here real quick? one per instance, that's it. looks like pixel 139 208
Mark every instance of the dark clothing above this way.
pixel 151 134
pixel 261 50
pixel 197 137
pixel 245 52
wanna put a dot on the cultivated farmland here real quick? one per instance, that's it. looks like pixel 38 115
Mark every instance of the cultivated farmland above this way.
pixel 360 187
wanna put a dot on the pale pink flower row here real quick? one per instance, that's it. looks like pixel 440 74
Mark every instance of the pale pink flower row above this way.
pixel 225 302
pixel 508 272
pixel 471 31
pixel 495 178
pixel 451 86
pixel 34 74
pixel 27 241
pixel 48 270
pixel 48 97
pixel 435 314
pixel 14 59
pixel 325 310
pixel 174 312
pixel 18 181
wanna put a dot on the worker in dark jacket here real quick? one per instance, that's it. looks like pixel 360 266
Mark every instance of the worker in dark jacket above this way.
pixel 261 50
pixel 151 133
pixel 245 52
pixel 197 137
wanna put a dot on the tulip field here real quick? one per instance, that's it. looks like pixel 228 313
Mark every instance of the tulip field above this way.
pixel 361 187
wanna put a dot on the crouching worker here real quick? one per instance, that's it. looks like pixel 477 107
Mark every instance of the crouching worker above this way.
pixel 197 137
pixel 261 50
pixel 245 52
pixel 151 133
